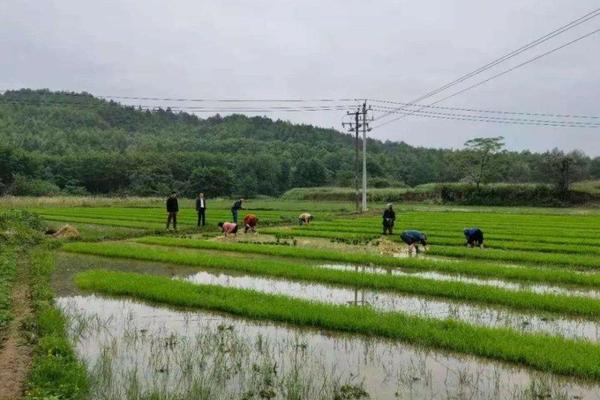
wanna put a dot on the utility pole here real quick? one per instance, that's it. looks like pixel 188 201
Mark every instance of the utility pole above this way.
pixel 365 128
pixel 354 127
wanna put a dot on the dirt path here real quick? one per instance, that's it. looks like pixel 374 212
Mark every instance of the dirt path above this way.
pixel 15 352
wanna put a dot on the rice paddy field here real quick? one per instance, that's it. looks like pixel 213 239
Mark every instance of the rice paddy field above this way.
pixel 334 309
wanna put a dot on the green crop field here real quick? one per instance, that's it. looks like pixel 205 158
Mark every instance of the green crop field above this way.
pixel 529 298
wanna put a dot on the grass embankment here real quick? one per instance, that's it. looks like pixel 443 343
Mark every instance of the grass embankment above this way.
pixel 520 300
pixel 56 372
pixel 8 263
pixel 546 353
pixel 485 270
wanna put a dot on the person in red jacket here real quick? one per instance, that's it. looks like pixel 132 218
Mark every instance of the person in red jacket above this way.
pixel 228 228
pixel 250 222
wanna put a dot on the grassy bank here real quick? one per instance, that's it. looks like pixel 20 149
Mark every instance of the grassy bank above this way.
pixel 56 372
pixel 520 300
pixel 551 354
pixel 467 268
pixel 8 263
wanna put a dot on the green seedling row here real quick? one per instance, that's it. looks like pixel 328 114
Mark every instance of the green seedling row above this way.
pixel 542 352
pixel 521 300
pixel 456 239
pixel 483 270
pixel 513 256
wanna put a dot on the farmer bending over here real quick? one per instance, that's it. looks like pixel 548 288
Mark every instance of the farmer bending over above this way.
pixel 172 210
pixel 228 228
pixel 413 239
pixel 305 219
pixel 474 237
pixel 389 216
pixel 237 206
pixel 250 222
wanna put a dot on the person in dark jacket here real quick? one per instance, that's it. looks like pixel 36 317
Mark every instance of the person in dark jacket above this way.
pixel 474 237
pixel 389 216
pixel 235 208
pixel 413 239
pixel 172 210
pixel 201 209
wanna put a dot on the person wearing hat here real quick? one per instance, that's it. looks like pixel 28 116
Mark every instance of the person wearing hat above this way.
pixel 305 218
pixel 389 217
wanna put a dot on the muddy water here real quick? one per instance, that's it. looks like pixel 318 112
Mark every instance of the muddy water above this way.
pixel 162 349
pixel 415 305
pixel 536 288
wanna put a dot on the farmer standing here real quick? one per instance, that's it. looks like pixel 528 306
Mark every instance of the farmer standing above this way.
pixel 237 206
pixel 201 209
pixel 172 210
pixel 474 237
pixel 389 216
pixel 413 239
pixel 228 228
pixel 250 222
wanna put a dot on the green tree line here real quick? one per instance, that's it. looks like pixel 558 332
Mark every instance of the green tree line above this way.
pixel 74 143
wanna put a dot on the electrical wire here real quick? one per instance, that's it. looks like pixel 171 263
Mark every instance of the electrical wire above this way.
pixel 512 54
pixel 499 120
pixel 478 110
pixel 496 75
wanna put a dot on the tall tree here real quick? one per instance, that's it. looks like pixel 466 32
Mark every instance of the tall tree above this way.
pixel 481 151
pixel 564 169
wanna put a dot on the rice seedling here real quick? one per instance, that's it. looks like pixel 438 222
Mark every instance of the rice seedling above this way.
pixel 523 300
pixel 484 270
pixel 552 354
pixel 579 261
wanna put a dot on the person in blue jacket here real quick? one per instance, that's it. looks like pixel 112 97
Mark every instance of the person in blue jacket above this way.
pixel 474 237
pixel 413 239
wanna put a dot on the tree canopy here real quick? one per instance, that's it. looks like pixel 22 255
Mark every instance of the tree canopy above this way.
pixel 76 143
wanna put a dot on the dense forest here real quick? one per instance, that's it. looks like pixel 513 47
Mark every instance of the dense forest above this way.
pixel 69 143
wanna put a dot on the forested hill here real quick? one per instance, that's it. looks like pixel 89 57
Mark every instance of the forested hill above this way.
pixel 75 143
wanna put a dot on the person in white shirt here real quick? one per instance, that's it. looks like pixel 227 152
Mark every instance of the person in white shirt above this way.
pixel 201 209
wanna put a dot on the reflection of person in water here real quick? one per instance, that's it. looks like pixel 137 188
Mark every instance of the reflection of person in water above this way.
pixel 413 239
pixel 474 237
pixel 389 217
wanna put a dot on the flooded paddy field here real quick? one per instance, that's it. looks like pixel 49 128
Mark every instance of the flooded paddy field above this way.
pixel 150 342
pixel 133 347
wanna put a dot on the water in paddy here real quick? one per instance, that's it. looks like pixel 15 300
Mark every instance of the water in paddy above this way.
pixel 134 348
pixel 69 264
pixel 410 304
pixel 536 288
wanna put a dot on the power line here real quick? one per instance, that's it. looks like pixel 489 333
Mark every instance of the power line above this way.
pixel 191 109
pixel 478 110
pixel 498 120
pixel 497 75
pixel 511 54
pixel 506 118
pixel 205 100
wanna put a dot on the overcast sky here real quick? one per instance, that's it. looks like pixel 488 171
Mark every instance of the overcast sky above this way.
pixel 393 50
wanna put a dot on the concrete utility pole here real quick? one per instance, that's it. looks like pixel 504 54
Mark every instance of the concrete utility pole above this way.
pixel 365 126
pixel 361 120
pixel 354 127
